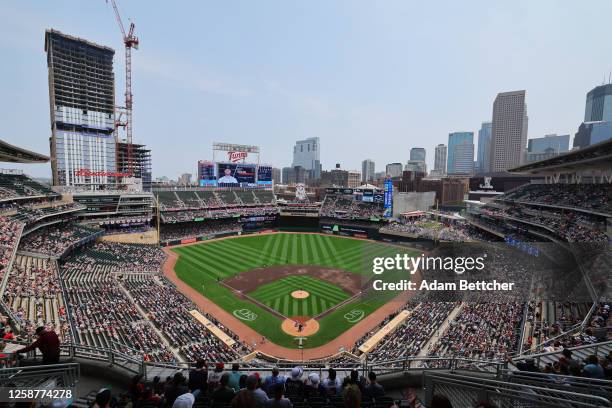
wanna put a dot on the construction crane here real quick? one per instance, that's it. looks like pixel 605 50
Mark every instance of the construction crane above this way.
pixel 130 41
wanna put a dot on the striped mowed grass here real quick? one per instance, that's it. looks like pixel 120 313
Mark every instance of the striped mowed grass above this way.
pixel 277 295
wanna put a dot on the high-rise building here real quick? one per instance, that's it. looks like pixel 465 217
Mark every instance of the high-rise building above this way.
pixel 417 154
pixel 591 133
pixel 135 159
pixel 295 175
pixel 541 148
pixel 416 166
pixel 440 161
pixel 82 106
pixel 354 178
pixel 599 104
pixel 184 179
pixel 508 131
pixel 307 154
pixel 367 171
pixel 484 148
pixel 276 175
pixel 460 153
pixel 597 125
pixel 394 169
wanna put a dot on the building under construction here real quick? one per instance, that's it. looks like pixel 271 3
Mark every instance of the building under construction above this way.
pixel 136 161
pixel 85 149
pixel 82 106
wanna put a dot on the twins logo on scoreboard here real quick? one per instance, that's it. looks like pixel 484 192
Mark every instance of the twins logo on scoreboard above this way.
pixel 235 157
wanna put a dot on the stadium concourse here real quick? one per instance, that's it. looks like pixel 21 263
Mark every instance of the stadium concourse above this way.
pixel 125 305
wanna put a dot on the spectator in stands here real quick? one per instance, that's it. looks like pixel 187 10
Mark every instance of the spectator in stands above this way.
pixel 136 389
pixel 224 393
pixel 272 380
pixel 294 386
pixel 279 400
pixel 353 379
pixel 103 399
pixel 352 396
pixel 185 400
pixel 253 386
pixel 214 377
pixel 244 399
pixel 313 387
pixel 374 389
pixel 174 388
pixel 332 384
pixel 48 343
pixel 234 380
pixel 592 368
pixel 198 378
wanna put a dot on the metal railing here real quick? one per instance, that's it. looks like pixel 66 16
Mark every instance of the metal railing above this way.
pixel 594 348
pixel 467 391
pixel 61 375
pixel 436 363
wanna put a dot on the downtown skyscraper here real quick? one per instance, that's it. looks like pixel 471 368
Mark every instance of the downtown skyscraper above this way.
pixel 508 131
pixel 367 171
pixel 484 148
pixel 440 160
pixel 307 154
pixel 460 153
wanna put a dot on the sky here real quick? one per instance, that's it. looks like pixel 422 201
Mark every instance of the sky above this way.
pixel 371 79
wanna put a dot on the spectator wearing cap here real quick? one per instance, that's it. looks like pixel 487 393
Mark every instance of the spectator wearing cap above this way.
pixel 279 400
pixel 294 386
pixel 48 343
pixel 374 389
pixel 272 380
pixel 313 387
pixel 214 377
pixel 234 377
pixel 224 393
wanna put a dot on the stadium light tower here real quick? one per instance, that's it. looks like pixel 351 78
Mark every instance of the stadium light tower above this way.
pixel 130 41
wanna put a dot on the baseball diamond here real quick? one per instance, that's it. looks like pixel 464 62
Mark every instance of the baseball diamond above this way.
pixel 253 278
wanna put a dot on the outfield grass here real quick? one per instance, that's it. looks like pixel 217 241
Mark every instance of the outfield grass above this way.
pixel 322 296
pixel 200 266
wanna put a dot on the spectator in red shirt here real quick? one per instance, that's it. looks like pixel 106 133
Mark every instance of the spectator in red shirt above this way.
pixel 48 343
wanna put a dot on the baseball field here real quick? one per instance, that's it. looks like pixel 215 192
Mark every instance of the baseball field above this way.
pixel 265 280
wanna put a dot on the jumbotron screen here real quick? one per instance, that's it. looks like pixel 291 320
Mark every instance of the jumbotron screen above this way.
pixel 264 174
pixel 229 174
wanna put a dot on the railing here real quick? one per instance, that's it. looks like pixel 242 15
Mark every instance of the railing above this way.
pixel 467 391
pixel 594 348
pixel 436 363
pixel 61 375
pixel 593 386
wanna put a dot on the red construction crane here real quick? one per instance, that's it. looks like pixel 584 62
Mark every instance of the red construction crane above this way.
pixel 131 41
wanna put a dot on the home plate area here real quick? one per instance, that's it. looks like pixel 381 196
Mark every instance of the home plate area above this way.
pixel 300 326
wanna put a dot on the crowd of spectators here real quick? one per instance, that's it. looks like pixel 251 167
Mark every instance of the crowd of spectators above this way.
pixel 221 387
pixel 170 232
pixel 56 239
pixel 433 230
pixel 169 309
pixel 10 231
pixel 570 225
pixel 104 316
pixel 482 331
pixel 412 335
pixel 115 257
pixel 217 213
pixel 594 197
pixel 33 293
pixel 347 207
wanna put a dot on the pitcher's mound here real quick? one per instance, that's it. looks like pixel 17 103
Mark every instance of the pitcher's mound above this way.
pixel 299 294
pixel 292 326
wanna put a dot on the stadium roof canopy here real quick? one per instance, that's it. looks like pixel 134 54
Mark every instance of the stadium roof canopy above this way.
pixel 14 154
pixel 594 157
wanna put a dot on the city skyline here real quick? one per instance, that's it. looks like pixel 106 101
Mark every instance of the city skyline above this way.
pixel 277 105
